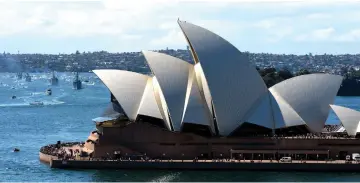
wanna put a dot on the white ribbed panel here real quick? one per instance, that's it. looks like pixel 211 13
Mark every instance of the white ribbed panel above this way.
pixel 196 110
pixel 349 118
pixel 173 75
pixel 127 87
pixel 310 96
pixel 261 113
pixel 234 83
pixel 160 100
pixel 148 105
pixel 188 88
pixel 284 114
pixel 203 86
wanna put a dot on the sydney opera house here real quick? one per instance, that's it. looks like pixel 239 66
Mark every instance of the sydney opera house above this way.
pixel 219 106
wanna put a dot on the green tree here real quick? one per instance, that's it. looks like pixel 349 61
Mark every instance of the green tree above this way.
pixel 284 73
pixel 302 72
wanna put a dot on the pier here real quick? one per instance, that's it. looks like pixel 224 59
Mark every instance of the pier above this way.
pixel 48 154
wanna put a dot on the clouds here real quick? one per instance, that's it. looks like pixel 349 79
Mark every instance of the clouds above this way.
pixel 351 36
pixel 317 35
pixel 144 24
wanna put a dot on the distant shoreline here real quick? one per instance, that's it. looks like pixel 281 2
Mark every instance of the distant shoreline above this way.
pixel 349 88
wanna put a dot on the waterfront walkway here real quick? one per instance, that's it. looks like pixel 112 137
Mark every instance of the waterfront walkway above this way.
pixel 224 161
pixel 336 166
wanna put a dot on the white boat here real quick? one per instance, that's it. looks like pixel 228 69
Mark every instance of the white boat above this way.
pixel 36 103
pixel 48 92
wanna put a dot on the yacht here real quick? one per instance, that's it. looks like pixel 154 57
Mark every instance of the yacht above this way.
pixel 77 85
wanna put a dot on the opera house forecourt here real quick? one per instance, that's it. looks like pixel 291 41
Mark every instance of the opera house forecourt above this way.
pixel 217 109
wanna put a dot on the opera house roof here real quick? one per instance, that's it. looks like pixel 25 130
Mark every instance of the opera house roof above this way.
pixel 221 90
pixel 349 118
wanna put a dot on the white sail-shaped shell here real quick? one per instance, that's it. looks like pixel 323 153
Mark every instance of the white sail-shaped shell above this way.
pixel 196 110
pixel 127 87
pixel 160 100
pixel 310 96
pixel 172 75
pixel 284 115
pixel 234 83
pixel 349 118
pixel 148 105
pixel 261 113
pixel 203 86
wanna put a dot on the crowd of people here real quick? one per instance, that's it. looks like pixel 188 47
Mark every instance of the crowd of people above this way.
pixel 322 135
pixel 317 136
pixel 58 149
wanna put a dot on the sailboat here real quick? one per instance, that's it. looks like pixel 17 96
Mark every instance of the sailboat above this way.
pixel 77 85
pixel 54 81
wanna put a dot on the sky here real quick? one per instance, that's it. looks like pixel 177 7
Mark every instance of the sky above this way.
pixel 271 26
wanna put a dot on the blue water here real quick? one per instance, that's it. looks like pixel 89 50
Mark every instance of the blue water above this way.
pixel 66 116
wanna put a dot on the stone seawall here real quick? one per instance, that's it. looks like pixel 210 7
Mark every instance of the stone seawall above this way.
pixel 326 167
pixel 46 158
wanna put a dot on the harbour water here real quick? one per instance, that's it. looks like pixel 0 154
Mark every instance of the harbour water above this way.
pixel 66 115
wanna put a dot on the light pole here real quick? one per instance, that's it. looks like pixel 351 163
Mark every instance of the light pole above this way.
pixel 182 155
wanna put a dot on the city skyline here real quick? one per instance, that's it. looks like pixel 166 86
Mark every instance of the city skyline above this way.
pixel 272 26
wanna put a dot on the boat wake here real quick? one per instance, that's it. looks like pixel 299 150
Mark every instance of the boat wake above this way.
pixel 89 83
pixel 167 178
pixel 37 93
pixel 34 103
